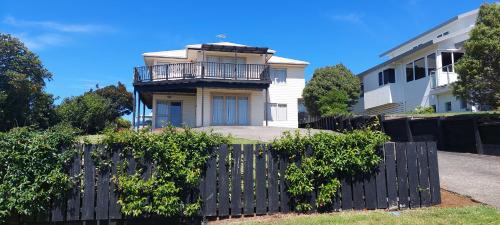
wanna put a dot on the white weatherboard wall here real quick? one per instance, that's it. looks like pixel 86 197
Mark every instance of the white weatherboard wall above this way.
pixel 288 93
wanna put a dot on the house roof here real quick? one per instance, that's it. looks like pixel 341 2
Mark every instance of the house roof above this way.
pixel 182 53
pixel 430 30
pixel 422 46
pixel 280 60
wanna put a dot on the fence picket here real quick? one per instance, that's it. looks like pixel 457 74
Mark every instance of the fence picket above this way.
pixel 433 173
pixel 273 188
pixel 402 174
pixel 73 203
pixel 370 191
pixel 391 178
pixel 284 195
pixel 248 181
pixel 210 193
pixel 346 185
pixel 380 182
pixel 236 181
pixel 423 175
pixel 114 207
pixel 260 184
pixel 358 193
pixel 223 182
pixel 102 201
pixel 411 156
pixel 89 189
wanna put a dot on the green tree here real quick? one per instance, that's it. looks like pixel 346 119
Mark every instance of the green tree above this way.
pixel 479 69
pixel 94 110
pixel 330 90
pixel 23 101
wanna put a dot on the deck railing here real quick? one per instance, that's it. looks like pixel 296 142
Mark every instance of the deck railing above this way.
pixel 441 76
pixel 201 70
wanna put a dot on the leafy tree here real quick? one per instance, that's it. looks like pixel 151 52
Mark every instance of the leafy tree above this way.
pixel 23 101
pixel 121 100
pixel 330 90
pixel 333 103
pixel 479 69
pixel 94 110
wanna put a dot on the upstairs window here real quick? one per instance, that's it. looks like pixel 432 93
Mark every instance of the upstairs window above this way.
pixel 278 76
pixel 446 60
pixel 419 68
pixel 409 72
pixel 387 76
pixel 431 63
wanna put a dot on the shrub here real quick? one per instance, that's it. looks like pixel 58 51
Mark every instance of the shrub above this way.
pixel 423 110
pixel 178 156
pixel 324 157
pixel 32 169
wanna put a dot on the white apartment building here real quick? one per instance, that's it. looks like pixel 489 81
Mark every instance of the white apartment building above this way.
pixel 219 84
pixel 418 72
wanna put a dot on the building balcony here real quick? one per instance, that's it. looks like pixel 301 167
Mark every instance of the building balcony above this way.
pixel 197 74
pixel 387 94
pixel 442 78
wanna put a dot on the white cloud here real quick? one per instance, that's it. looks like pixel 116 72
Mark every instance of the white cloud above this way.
pixel 353 18
pixel 55 26
pixel 41 41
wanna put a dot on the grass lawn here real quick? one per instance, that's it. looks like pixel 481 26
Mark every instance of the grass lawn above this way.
pixel 237 140
pixel 478 214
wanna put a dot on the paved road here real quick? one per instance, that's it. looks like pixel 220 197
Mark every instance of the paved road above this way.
pixel 265 134
pixel 477 176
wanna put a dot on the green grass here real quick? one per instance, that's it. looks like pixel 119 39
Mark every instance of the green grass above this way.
pixel 237 140
pixel 466 215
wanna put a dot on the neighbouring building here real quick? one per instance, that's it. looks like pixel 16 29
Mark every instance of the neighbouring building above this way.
pixel 219 84
pixel 418 72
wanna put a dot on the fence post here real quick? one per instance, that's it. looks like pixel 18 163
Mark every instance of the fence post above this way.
pixel 477 137
pixel 409 135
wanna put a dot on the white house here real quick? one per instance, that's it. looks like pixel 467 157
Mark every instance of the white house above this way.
pixel 221 83
pixel 419 72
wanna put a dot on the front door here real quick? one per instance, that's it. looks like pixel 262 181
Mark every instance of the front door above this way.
pixel 168 113
pixel 230 110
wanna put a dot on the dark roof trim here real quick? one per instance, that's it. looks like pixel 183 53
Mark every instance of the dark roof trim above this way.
pixel 237 49
pixel 420 47
pixel 421 35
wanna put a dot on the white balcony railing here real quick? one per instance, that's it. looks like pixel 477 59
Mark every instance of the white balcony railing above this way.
pixel 443 76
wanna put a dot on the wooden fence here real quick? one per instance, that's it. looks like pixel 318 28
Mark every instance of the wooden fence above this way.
pixel 248 180
pixel 460 133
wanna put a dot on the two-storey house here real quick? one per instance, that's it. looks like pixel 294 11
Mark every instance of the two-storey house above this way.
pixel 219 84
pixel 419 72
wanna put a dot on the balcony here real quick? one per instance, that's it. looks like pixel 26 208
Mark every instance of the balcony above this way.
pixel 387 94
pixel 441 79
pixel 203 74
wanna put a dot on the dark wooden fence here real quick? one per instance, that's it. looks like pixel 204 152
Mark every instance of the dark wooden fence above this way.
pixel 462 133
pixel 249 180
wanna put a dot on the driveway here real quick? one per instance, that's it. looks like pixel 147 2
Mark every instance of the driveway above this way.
pixel 477 176
pixel 265 134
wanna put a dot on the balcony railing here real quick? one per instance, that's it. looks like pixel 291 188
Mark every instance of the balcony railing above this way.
pixel 443 76
pixel 202 70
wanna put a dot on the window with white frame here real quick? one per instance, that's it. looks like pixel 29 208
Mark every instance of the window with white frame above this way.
pixel 278 76
pixel 387 76
pixel 277 112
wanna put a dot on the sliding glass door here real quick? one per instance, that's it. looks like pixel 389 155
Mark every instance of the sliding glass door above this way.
pixel 230 110
pixel 168 113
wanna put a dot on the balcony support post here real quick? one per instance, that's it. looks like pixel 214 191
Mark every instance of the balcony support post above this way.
pixel 143 114
pixel 266 107
pixel 133 109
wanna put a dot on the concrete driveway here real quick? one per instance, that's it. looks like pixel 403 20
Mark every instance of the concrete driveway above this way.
pixel 265 134
pixel 477 176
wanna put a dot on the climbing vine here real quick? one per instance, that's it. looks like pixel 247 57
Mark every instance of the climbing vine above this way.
pixel 178 157
pixel 32 169
pixel 319 160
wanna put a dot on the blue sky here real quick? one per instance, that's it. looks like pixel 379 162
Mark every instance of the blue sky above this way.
pixel 84 43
